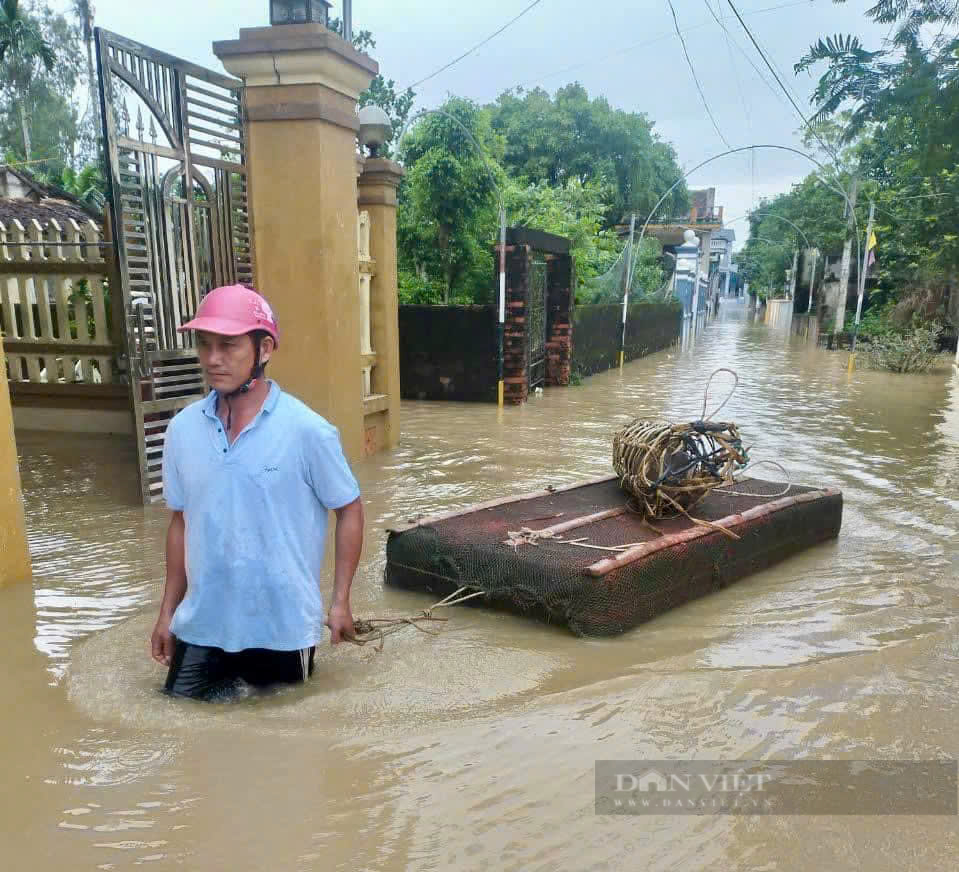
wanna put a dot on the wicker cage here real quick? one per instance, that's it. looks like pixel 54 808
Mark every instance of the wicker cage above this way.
pixel 669 468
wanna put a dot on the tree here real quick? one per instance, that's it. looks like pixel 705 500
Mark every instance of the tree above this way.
pixel 23 49
pixel 84 11
pixel 575 210
pixel 87 185
pixel 447 209
pixel 570 136
pixel 902 100
pixel 869 79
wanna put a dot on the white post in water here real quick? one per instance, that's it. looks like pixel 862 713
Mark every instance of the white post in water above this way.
pixel 846 260
pixel 626 283
pixel 501 327
pixel 812 279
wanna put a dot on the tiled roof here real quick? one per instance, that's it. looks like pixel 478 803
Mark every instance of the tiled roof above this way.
pixel 27 210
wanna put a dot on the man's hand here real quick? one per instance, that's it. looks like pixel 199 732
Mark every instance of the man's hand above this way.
pixel 340 622
pixel 161 642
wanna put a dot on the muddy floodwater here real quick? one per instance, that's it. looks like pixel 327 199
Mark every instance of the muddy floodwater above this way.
pixel 475 749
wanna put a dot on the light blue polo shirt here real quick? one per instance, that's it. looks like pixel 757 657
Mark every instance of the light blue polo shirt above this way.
pixel 256 514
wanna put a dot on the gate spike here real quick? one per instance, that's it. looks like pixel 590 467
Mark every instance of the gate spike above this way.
pixel 153 131
pixel 126 118
pixel 140 123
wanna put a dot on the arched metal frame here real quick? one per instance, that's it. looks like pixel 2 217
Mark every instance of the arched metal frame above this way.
pixel 685 175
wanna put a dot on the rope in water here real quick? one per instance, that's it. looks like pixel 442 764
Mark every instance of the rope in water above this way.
pixel 366 630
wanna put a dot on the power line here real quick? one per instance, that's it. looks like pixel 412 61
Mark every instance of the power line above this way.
pixel 475 47
pixel 692 69
pixel 785 90
pixel 759 73
pixel 651 41
pixel 732 64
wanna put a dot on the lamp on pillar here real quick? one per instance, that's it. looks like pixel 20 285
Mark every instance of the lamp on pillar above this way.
pixel 300 12
pixel 376 129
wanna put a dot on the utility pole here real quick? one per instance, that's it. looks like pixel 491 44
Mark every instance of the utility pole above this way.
pixel 348 21
pixel 812 279
pixel 846 258
pixel 792 275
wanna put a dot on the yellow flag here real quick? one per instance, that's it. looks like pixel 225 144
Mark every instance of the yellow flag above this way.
pixel 873 242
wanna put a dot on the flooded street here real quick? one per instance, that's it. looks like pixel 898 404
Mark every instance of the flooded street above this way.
pixel 475 749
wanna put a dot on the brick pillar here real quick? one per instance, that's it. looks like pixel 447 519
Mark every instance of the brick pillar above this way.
pixel 560 298
pixel 515 343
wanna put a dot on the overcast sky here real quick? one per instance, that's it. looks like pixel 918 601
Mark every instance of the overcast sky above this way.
pixel 626 51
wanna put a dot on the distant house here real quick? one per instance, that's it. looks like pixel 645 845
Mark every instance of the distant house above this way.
pixel 25 199
pixel 720 257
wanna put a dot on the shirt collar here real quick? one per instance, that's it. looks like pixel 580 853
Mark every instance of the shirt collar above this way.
pixel 269 404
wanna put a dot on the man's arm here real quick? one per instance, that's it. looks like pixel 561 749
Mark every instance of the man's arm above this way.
pixel 349 546
pixel 174 591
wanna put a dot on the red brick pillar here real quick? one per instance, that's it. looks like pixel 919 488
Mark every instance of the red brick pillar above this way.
pixel 515 344
pixel 559 305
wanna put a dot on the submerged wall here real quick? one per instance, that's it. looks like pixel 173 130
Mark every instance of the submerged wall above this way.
pixel 448 353
pixel 597 332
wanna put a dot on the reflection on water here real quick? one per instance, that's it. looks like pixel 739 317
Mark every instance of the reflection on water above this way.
pixel 475 749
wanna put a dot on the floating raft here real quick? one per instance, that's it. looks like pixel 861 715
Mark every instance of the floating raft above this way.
pixel 578 556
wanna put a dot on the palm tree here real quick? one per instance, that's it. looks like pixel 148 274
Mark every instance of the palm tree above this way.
pixel 22 46
pixel 88 185
pixel 84 10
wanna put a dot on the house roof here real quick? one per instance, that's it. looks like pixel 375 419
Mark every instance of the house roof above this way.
pixel 26 210
pixel 26 178
pixel 51 192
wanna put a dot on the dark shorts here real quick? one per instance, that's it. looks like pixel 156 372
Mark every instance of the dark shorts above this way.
pixel 200 672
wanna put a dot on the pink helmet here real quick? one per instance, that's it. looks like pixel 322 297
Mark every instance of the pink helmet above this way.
pixel 233 311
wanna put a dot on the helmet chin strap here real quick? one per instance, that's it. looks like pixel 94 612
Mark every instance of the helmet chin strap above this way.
pixel 255 374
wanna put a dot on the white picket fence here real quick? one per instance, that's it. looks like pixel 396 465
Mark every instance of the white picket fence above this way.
pixel 53 303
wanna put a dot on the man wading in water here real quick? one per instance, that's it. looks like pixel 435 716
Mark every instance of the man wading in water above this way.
pixel 250 474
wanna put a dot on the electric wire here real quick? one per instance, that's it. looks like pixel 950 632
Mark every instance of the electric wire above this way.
pixel 732 64
pixel 759 73
pixel 646 42
pixel 692 70
pixel 478 45
pixel 785 90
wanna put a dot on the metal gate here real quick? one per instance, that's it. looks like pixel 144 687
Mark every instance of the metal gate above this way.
pixel 176 155
pixel 536 321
